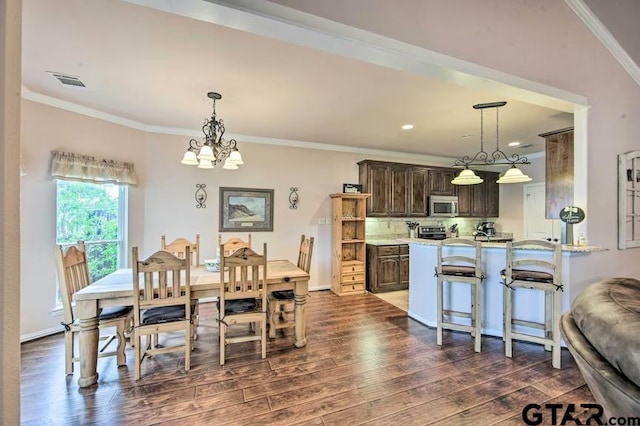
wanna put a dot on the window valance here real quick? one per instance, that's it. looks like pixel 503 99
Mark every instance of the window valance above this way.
pixel 85 168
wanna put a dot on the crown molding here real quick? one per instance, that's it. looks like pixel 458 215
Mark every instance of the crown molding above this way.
pixel 606 38
pixel 30 95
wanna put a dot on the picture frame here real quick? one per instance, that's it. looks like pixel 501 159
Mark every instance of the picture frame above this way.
pixel 246 210
pixel 351 188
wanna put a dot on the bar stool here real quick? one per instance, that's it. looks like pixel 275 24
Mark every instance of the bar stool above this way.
pixel 462 269
pixel 537 274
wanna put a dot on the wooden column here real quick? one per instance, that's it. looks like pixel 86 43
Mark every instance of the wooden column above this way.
pixel 558 171
pixel 10 78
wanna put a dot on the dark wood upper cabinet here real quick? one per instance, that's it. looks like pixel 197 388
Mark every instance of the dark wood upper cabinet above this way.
pixel 481 200
pixel 558 171
pixel 492 194
pixel 464 200
pixel 440 182
pixel 402 190
pixel 398 187
pixel 417 194
pixel 374 180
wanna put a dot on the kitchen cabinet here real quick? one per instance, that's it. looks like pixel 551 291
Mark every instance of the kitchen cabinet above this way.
pixel 558 171
pixel 402 190
pixel 389 185
pixel 440 181
pixel 387 267
pixel 348 266
pixel 418 178
pixel 481 200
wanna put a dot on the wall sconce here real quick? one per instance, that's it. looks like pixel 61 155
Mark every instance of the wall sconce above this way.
pixel 201 195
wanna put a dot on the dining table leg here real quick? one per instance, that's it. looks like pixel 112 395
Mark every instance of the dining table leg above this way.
pixel 300 311
pixel 87 313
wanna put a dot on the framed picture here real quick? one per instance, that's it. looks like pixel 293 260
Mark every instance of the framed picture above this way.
pixel 246 210
pixel 352 188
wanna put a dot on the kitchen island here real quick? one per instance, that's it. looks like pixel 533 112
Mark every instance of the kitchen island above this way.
pixel 528 304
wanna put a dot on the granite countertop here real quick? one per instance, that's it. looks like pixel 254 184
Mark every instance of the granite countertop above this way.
pixel 384 241
pixel 565 247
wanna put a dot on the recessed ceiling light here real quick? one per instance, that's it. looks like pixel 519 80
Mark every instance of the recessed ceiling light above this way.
pixel 407 127
pixel 514 143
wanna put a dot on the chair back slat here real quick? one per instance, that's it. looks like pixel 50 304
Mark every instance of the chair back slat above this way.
pixel 178 248
pixel 166 280
pixel 73 275
pixel 246 271
pixel 232 244
pixel 304 254
pixel 550 259
pixel 459 260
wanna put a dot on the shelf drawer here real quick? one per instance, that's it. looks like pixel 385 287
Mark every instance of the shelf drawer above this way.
pixel 352 267
pixel 347 288
pixel 350 278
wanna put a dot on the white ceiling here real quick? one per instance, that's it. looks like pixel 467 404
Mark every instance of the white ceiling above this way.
pixel 155 68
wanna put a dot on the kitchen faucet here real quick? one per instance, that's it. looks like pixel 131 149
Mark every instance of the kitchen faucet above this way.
pixel 482 233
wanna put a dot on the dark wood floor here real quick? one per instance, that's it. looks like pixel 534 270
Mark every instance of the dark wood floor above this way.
pixel 365 363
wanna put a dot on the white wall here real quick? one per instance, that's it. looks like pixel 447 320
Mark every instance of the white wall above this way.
pixel 45 129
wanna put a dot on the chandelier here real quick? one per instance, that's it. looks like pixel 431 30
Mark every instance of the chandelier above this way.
pixel 215 149
pixel 496 158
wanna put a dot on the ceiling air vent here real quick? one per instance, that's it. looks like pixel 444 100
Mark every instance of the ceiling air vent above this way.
pixel 526 145
pixel 67 80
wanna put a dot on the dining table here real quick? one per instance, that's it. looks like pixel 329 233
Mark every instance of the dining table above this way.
pixel 116 289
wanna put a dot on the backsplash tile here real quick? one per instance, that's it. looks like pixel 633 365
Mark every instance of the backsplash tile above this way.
pixel 396 227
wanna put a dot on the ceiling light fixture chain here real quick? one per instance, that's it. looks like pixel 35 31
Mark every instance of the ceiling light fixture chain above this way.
pixel 214 149
pixel 497 157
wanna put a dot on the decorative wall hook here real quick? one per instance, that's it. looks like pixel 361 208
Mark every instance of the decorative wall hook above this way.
pixel 293 198
pixel 201 195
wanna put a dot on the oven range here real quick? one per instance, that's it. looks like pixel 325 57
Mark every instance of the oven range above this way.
pixel 432 232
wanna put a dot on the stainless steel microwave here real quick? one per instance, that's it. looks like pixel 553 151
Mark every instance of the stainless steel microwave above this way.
pixel 443 206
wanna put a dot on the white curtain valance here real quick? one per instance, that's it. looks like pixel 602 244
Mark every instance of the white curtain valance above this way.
pixel 85 168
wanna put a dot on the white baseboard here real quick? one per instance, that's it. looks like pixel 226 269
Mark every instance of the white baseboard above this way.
pixel 41 333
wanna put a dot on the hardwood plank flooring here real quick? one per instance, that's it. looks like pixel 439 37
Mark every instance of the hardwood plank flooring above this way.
pixel 365 362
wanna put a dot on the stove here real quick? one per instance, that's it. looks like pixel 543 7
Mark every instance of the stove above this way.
pixel 432 232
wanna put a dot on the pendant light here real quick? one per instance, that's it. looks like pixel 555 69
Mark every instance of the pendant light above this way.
pixel 496 158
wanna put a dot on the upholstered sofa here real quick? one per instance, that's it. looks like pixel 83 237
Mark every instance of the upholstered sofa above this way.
pixel 602 332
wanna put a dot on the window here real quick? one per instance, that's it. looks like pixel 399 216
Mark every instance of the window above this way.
pixel 629 200
pixel 96 214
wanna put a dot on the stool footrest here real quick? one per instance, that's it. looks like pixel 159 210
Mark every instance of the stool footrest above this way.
pixel 531 324
pixel 533 339
pixel 452 313
pixel 458 327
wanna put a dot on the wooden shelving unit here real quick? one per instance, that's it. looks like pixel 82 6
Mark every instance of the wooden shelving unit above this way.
pixel 348 243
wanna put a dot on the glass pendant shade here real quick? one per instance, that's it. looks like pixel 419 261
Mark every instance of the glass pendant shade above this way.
pixel 229 164
pixel 514 175
pixel 467 177
pixel 206 153
pixel 235 158
pixel 190 159
pixel 205 164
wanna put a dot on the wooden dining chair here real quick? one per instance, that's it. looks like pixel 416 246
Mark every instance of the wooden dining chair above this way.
pixel 177 247
pixel 232 244
pixel 73 275
pixel 163 304
pixel 243 299
pixel 281 303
